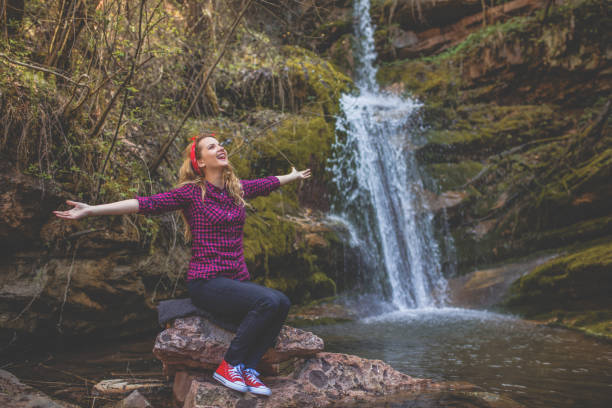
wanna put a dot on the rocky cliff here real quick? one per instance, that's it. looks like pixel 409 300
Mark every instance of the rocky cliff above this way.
pixel 518 132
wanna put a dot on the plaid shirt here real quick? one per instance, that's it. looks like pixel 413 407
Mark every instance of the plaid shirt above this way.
pixel 216 224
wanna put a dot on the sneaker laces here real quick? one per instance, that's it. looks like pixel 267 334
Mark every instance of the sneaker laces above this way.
pixel 252 374
pixel 235 372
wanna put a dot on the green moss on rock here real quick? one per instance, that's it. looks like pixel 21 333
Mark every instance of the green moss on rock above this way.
pixel 449 176
pixel 483 129
pixel 276 255
pixel 578 282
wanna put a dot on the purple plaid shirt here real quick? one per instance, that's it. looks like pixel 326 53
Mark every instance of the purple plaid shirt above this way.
pixel 216 224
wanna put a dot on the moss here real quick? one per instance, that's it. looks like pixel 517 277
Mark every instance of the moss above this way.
pixel 322 285
pixel 579 281
pixel 304 141
pixel 422 79
pixel 562 33
pixel 276 255
pixel 575 195
pixel 484 129
pixel 584 230
pixel 449 176
pixel 475 41
pixel 319 82
pixel 285 78
pixel 593 323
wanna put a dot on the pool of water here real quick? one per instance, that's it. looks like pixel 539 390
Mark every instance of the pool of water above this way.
pixel 534 365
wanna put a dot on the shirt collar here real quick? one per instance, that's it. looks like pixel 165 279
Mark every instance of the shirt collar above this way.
pixel 211 186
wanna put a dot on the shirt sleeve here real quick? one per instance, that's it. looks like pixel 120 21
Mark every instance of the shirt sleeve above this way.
pixel 259 187
pixel 180 197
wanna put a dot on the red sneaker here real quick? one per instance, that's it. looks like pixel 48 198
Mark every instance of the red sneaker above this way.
pixel 230 376
pixel 255 386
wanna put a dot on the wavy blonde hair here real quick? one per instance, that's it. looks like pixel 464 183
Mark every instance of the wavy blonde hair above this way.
pixel 187 175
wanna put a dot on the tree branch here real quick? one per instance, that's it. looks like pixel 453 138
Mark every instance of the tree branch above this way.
pixel 168 143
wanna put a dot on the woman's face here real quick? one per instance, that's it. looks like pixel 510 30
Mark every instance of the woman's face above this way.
pixel 212 154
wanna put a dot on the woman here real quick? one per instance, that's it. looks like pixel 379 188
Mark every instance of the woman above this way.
pixel 212 204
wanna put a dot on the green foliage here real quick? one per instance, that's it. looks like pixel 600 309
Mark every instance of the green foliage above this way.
pixel 304 141
pixel 282 77
pixel 274 255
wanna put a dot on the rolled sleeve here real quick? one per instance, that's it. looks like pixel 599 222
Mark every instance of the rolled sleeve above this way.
pixel 259 187
pixel 172 200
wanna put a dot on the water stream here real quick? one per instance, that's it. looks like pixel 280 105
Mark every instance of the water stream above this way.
pixel 380 188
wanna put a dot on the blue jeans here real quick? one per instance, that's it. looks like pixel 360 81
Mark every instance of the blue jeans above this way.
pixel 261 312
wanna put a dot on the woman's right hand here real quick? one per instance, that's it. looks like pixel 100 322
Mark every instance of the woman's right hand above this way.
pixel 80 210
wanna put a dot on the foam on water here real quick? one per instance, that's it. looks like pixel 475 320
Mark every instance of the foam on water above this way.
pixel 437 314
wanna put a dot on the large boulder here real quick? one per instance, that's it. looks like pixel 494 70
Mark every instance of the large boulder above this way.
pixel 325 380
pixel 196 342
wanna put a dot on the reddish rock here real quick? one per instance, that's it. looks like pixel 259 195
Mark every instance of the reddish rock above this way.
pixel 410 44
pixel 195 342
pixel 325 380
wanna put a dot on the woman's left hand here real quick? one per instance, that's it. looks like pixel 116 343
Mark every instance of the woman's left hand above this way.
pixel 299 175
pixel 294 175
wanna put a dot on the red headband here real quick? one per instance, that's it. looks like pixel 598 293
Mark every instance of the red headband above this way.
pixel 194 162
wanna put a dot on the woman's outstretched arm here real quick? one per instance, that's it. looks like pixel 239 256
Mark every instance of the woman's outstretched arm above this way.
pixel 160 203
pixel 264 186
pixel 82 210
pixel 294 175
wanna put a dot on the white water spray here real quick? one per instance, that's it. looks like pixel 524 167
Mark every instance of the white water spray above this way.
pixel 381 190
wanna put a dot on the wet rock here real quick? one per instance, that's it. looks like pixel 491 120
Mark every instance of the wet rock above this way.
pixel 134 400
pixel 487 287
pixel 325 380
pixel 195 342
pixel 445 200
pixel 489 400
pixel 323 311
pixel 15 394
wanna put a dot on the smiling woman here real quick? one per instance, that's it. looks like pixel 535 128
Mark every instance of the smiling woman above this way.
pixel 211 199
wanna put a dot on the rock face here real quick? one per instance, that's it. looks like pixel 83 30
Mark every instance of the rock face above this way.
pixel 15 394
pixel 195 342
pixel 325 380
pixel 426 39
pixel 487 287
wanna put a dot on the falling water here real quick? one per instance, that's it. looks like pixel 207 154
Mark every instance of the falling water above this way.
pixel 381 193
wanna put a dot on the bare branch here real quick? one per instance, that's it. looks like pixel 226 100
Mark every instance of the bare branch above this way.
pixel 166 146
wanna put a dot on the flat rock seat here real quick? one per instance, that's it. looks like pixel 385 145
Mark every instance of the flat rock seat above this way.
pixel 194 339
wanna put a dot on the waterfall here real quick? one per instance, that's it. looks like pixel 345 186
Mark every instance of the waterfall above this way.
pixel 380 189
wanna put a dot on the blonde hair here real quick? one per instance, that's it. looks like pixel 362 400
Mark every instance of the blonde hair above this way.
pixel 187 175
